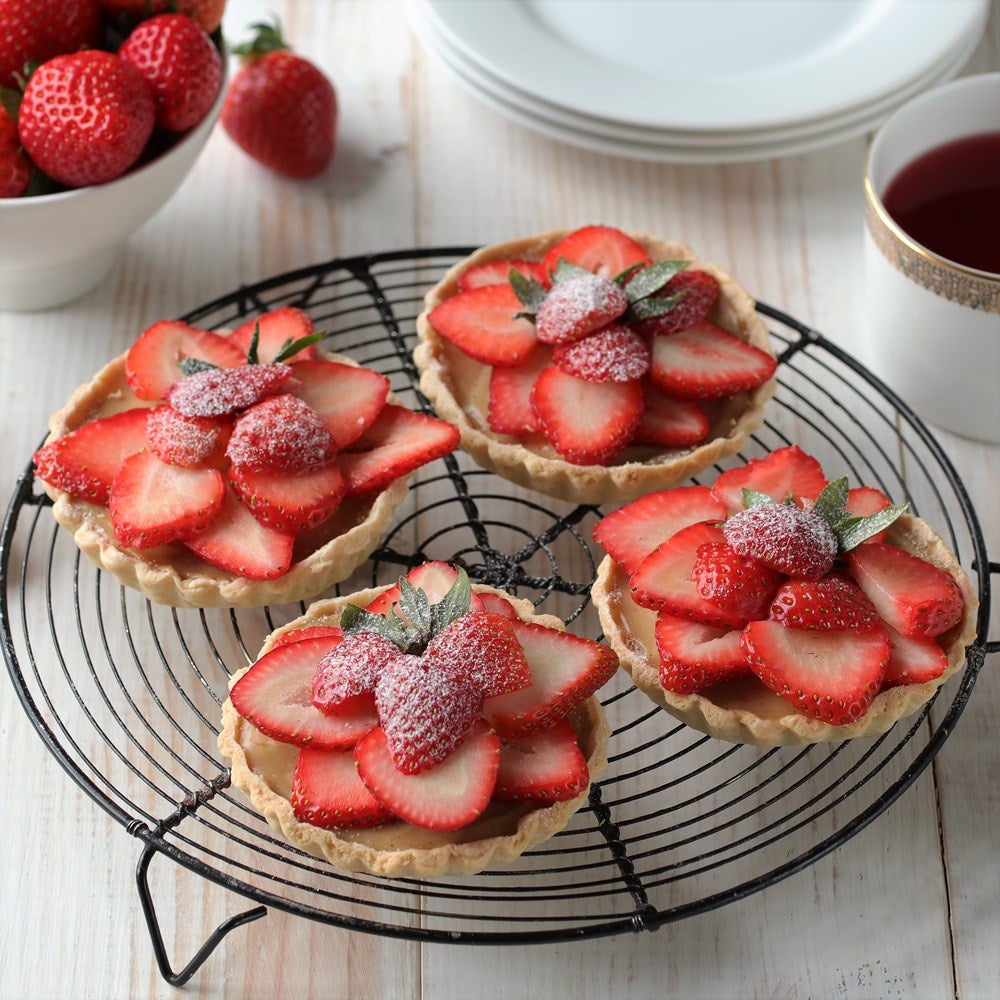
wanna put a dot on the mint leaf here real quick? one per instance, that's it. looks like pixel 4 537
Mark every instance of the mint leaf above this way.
pixel 651 279
pixel 414 605
pixel 564 269
pixel 530 293
pixel 753 498
pixel 252 358
pixel 354 619
pixel 852 531
pixel 191 366
pixel 651 308
pixel 454 604
pixel 831 504
pixel 290 347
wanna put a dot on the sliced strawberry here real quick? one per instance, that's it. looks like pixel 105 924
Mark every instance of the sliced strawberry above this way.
pixel 152 503
pixel 864 500
pixel 275 330
pixel 188 441
pixel 275 697
pixel 695 656
pixel 577 306
pixel 588 423
pixel 831 676
pixel 599 249
pixel 236 541
pixel 510 409
pixel 543 767
pixel 909 593
pixel 663 580
pixel 280 434
pixel 351 668
pixel 740 584
pixel 699 290
pixel 913 660
pixel 347 398
pixel 309 632
pixel 398 443
pixel 447 797
pixel 434 578
pixel 218 392
pixel 497 604
pixel 484 324
pixel 152 363
pixel 564 668
pixel 787 472
pixel 789 539
pixel 497 272
pixel 832 603
pixel 327 792
pixel 83 463
pixel 630 533
pixel 706 362
pixel 612 354
pixel 289 503
pixel 671 423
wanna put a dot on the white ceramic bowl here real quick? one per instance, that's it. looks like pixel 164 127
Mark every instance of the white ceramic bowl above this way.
pixel 55 248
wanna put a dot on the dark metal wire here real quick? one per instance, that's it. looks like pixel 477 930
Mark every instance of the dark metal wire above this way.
pixel 126 694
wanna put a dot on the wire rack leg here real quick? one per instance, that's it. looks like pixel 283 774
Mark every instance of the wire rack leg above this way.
pixel 145 897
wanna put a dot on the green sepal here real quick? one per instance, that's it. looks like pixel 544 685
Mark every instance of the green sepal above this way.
pixel 852 531
pixel 267 38
pixel 191 366
pixel 530 293
pixel 291 347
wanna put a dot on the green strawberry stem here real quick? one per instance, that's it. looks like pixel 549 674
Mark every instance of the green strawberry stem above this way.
pixel 268 38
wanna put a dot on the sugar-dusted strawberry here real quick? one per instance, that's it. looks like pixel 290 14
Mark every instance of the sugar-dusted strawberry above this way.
pixel 578 305
pixel 152 364
pixel 309 632
pixel 786 472
pixel 280 434
pixel 914 660
pixel 189 441
pixel 216 392
pixel 396 444
pixel 912 595
pixel 181 65
pixel 698 290
pixel 588 423
pixel 351 668
pixel 564 669
pixel 632 532
pixel 740 584
pixel 497 272
pixel 833 603
pixel 789 539
pixel 83 463
pixel 275 697
pixel 543 767
pixel 484 324
pixel 33 31
pixel 275 330
pixel 292 503
pixel 671 423
pixel 434 577
pixel 831 676
pixel 208 13
pixel 15 167
pixel 601 250
pixel 510 409
pixel 447 797
pixel 705 361
pixel 612 354
pixel 327 792
pixel 694 656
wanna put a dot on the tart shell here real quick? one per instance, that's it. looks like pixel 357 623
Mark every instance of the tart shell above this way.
pixel 458 387
pixel 263 767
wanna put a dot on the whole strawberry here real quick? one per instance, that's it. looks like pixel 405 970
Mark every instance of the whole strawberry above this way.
pixel 280 109
pixel 208 13
pixel 15 168
pixel 37 30
pixel 85 117
pixel 182 66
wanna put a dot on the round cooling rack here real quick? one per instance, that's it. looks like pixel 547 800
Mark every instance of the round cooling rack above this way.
pixel 126 694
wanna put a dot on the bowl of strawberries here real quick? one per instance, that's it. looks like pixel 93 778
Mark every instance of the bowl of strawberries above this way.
pixel 105 106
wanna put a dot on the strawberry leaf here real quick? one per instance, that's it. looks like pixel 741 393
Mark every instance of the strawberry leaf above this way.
pixel 852 531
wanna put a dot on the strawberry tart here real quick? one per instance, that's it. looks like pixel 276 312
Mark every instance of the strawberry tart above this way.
pixel 777 607
pixel 593 365
pixel 426 728
pixel 211 470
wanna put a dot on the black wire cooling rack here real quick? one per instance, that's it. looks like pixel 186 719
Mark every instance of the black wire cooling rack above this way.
pixel 126 694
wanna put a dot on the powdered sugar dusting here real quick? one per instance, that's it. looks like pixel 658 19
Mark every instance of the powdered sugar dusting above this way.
pixel 281 432
pixel 612 354
pixel 182 440
pixel 789 539
pixel 219 391
pixel 352 667
pixel 577 306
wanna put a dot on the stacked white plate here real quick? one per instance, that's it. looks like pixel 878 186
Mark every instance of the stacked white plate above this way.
pixel 699 81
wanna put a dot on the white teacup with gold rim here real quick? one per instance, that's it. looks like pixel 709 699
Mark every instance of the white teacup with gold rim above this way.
pixel 933 315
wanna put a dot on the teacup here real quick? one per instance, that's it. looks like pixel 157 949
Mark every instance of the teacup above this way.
pixel 933 323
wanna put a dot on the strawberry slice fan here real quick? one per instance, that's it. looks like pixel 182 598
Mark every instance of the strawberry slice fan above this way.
pixel 126 694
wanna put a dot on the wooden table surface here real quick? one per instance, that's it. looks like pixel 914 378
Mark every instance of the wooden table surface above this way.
pixel 907 908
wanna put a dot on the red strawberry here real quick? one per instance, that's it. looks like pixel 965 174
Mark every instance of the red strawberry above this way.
pixel 789 539
pixel 152 363
pixel 236 541
pixel 630 533
pixel 612 354
pixel 287 503
pixel 544 767
pixel 565 670
pixel 15 167
pixel 182 66
pixel 217 392
pixel 208 13
pixel 484 324
pixel 152 503
pixel 913 660
pixel 832 603
pixel 308 632
pixel 434 577
pixel 280 434
pixel 83 463
pixel 909 593
pixel 671 423
pixel 187 441
pixel 327 792
pixel 351 668
pixel 588 423
pixel 399 442
pixel 85 117
pixel 831 676
pixel 700 290
pixel 510 409
pixel 576 306
pixel 736 583
pixel 447 797
pixel 785 472
pixel 863 500
pixel 706 362
pixel 280 108
pixel 347 398
pixel 275 697
pixel 694 656
pixel 599 249
pixel 36 30
pixel 497 272
pixel 276 329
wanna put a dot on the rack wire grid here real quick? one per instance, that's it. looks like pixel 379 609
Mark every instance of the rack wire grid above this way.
pixel 126 694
